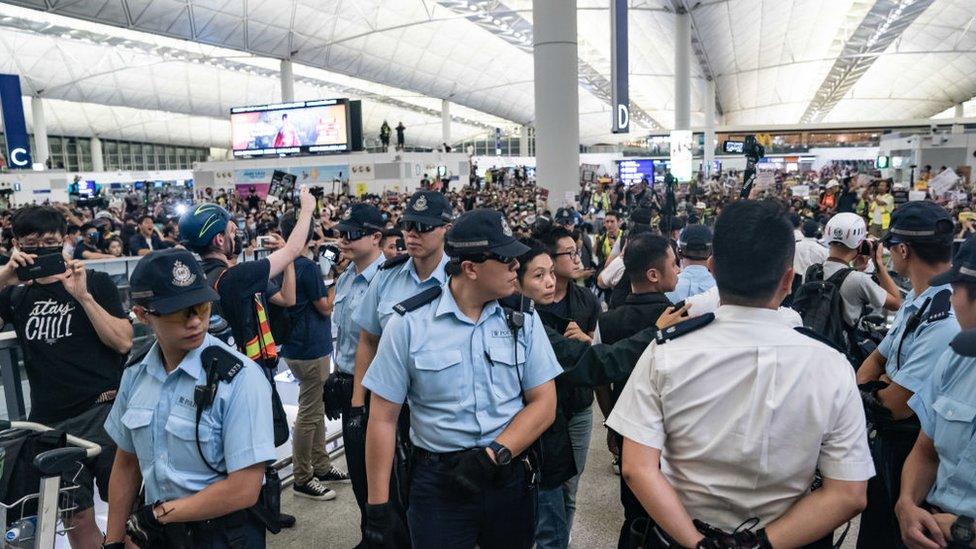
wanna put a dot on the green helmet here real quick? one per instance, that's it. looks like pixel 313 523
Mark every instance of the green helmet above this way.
pixel 200 224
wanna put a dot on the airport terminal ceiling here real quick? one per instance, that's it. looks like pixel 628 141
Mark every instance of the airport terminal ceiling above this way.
pixel 167 71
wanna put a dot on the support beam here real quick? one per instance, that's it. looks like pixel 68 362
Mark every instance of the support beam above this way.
pixel 446 121
pixel 709 138
pixel 697 47
pixel 287 82
pixel 41 149
pixel 682 70
pixel 556 98
pixel 98 161
pixel 882 25
pixel 524 141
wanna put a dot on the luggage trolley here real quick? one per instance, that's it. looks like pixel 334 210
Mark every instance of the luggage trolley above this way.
pixel 58 470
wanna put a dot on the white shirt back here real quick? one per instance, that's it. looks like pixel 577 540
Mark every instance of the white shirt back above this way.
pixel 744 410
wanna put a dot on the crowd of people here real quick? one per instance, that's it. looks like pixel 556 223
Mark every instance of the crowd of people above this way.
pixel 462 337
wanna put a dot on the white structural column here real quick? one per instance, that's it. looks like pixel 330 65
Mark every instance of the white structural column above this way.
pixel 446 121
pixel 556 98
pixel 960 113
pixel 709 153
pixel 41 150
pixel 524 141
pixel 682 71
pixel 287 82
pixel 98 162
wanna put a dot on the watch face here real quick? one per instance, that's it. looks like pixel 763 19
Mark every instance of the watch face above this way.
pixel 503 456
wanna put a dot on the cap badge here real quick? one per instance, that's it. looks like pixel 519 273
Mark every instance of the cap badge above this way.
pixel 420 204
pixel 506 230
pixel 182 276
pixel 838 232
pixel 348 215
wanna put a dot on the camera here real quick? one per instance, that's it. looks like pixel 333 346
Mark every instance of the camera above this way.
pixel 866 248
pixel 317 192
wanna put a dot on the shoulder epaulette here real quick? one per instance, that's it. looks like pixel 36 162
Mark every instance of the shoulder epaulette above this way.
pixel 964 343
pixel 417 301
pixel 814 335
pixel 682 328
pixel 940 306
pixel 395 262
pixel 226 364
pixel 135 357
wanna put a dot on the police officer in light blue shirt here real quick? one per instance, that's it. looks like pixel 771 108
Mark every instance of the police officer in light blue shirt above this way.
pixel 478 378
pixel 938 493
pixel 360 234
pixel 694 249
pixel 920 242
pixel 192 421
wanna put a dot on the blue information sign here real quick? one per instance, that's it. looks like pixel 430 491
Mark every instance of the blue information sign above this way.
pixel 633 171
pixel 14 124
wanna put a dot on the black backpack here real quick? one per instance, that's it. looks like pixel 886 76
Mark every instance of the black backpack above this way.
pixel 820 305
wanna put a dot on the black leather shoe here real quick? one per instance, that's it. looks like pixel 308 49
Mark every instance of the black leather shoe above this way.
pixel 286 520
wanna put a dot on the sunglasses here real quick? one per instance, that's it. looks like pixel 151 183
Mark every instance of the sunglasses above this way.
pixel 352 236
pixel 417 227
pixel 510 262
pixel 201 310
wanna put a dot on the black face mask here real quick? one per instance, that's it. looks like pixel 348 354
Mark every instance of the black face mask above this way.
pixel 236 246
pixel 42 250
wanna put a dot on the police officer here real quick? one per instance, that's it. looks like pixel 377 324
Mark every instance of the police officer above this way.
pixel 360 232
pixel 192 421
pixel 938 492
pixel 694 248
pixel 726 417
pixel 920 241
pixel 478 379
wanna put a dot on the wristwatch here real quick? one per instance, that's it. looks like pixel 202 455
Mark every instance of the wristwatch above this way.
pixel 962 530
pixel 503 456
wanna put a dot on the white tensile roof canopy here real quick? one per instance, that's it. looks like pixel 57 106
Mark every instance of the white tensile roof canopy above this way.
pixel 170 70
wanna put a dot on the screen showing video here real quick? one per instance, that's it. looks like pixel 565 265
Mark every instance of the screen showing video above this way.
pixel 294 128
pixel 633 171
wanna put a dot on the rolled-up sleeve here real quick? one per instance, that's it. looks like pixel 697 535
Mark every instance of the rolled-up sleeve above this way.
pixel 639 413
pixel 366 315
pixel 113 423
pixel 844 453
pixel 933 339
pixel 921 402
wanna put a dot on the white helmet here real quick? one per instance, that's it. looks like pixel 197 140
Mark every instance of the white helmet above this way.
pixel 847 229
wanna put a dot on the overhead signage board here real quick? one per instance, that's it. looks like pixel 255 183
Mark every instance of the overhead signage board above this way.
pixel 14 124
pixel 619 67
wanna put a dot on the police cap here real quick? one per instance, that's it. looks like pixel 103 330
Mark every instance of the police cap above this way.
pixel 963 266
pixel 170 280
pixel 920 222
pixel 480 231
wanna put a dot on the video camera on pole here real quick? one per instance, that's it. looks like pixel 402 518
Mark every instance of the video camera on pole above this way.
pixel 753 151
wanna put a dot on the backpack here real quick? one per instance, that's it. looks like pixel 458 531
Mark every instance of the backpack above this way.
pixel 821 307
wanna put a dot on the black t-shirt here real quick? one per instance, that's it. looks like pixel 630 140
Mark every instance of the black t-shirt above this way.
pixel 67 364
pixel 237 288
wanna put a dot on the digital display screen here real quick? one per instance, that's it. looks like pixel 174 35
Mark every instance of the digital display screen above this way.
pixel 633 171
pixel 733 147
pixel 86 188
pixel 881 162
pixel 307 127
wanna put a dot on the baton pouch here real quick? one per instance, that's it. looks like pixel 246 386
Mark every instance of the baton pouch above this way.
pixel 333 395
pixel 268 507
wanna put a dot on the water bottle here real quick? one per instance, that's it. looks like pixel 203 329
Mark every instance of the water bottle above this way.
pixel 21 533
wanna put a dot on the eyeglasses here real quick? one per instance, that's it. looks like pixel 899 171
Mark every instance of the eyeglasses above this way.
pixel 201 310
pixel 417 227
pixel 573 254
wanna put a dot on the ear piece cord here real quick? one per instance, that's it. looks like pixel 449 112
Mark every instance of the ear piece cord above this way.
pixel 204 398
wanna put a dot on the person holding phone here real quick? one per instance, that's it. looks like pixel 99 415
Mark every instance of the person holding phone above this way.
pixel 75 335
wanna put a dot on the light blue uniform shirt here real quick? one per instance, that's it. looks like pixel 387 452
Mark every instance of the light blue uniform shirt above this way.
pixel 693 280
pixel 349 291
pixel 461 378
pixel 947 412
pixel 921 348
pixel 154 417
pixel 390 287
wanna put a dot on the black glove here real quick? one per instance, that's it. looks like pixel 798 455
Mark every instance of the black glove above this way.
pixel 384 529
pixel 356 418
pixel 472 473
pixel 143 527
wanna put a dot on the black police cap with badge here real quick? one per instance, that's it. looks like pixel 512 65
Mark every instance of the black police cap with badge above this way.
pixel 170 280
pixel 425 211
pixel 360 220
pixel 696 239
pixel 963 270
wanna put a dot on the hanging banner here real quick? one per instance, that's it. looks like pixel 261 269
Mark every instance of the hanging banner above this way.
pixel 681 146
pixel 14 124
pixel 619 67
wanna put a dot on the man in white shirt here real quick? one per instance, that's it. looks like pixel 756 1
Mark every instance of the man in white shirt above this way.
pixel 809 250
pixel 727 417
